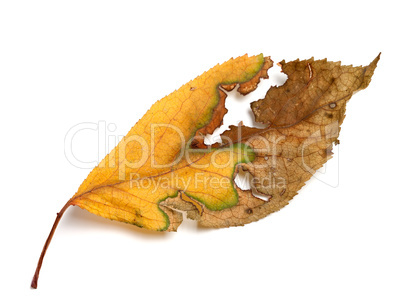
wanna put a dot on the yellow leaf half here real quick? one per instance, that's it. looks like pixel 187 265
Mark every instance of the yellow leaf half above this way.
pixel 127 184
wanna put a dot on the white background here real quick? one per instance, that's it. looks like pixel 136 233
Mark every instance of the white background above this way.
pixel 68 62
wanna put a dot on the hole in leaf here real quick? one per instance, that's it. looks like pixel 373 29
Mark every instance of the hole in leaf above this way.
pixel 243 180
pixel 238 105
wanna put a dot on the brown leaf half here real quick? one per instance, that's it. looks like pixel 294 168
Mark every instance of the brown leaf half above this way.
pixel 303 117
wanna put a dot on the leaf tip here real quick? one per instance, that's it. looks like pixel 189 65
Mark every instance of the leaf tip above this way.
pixel 377 58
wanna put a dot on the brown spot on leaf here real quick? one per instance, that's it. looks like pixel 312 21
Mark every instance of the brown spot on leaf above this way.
pixel 216 121
pixel 228 87
pixel 251 85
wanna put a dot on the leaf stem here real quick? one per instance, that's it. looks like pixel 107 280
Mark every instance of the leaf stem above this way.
pixel 34 283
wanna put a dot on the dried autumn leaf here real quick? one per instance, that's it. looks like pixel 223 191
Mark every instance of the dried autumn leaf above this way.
pixel 162 166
